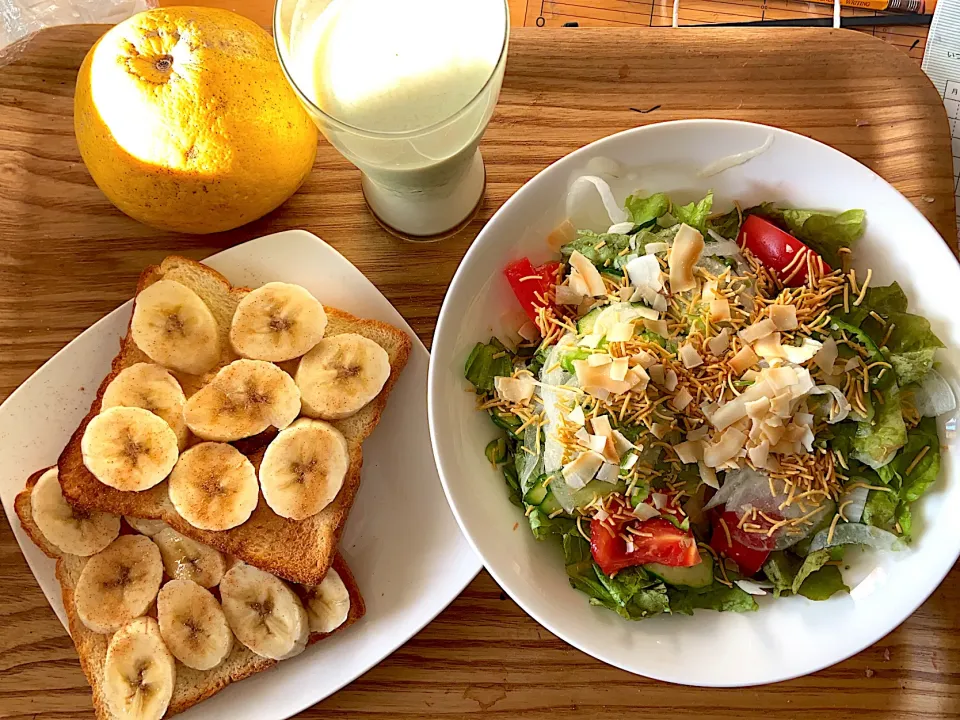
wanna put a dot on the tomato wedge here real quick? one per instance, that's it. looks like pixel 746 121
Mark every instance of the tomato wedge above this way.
pixel 748 559
pixel 777 250
pixel 531 285
pixel 661 542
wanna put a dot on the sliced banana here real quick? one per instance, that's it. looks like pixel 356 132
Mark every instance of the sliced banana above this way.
pixel 145 527
pixel 214 486
pixel 328 603
pixel 341 375
pixel 264 613
pixel 244 399
pixel 153 388
pixel 174 327
pixel 188 559
pixel 303 468
pixel 129 448
pixel 77 532
pixel 277 322
pixel 119 583
pixel 193 625
pixel 139 672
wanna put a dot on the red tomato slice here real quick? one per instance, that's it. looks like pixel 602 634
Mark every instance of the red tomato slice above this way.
pixel 777 249
pixel 529 282
pixel 748 559
pixel 662 543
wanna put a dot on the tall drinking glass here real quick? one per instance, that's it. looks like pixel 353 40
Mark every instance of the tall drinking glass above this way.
pixel 404 90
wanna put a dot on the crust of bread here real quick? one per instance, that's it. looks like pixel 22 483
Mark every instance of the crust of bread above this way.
pixel 191 686
pixel 298 551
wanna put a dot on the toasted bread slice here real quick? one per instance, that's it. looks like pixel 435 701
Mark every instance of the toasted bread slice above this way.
pixel 299 551
pixel 192 686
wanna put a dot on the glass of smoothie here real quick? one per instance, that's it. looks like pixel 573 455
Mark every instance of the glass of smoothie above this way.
pixel 404 90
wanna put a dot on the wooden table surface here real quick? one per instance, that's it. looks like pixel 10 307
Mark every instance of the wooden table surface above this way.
pixel 67 257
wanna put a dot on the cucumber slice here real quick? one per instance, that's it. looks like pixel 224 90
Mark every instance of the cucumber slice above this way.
pixel 550 504
pixel 535 495
pixel 586 323
pixel 507 421
pixel 695 576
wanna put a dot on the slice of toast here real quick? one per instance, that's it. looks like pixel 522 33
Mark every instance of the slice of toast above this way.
pixel 299 551
pixel 191 686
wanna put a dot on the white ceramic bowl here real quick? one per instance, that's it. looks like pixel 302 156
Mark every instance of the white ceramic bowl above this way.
pixel 787 637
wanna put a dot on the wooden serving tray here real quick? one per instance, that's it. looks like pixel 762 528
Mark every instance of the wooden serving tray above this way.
pixel 67 257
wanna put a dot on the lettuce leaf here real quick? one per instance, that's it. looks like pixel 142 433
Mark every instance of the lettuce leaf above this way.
pixel 719 597
pixel 911 346
pixel 880 509
pixel 825 232
pixel 823 583
pixel 781 569
pixel 695 214
pixel 888 510
pixel 878 440
pixel 726 225
pixel 586 244
pixel 643 211
pixel 816 580
pixel 882 300
pixel 923 474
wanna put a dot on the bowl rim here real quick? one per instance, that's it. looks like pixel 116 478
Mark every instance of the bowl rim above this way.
pixel 446 322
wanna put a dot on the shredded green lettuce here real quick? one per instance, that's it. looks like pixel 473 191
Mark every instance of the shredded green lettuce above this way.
pixel 726 225
pixel 586 244
pixel 644 211
pixel 815 579
pixel 825 232
pixel 877 441
pixel 695 214
pixel 911 346
pixel 719 597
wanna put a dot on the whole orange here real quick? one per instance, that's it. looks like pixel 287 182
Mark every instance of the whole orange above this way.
pixel 186 122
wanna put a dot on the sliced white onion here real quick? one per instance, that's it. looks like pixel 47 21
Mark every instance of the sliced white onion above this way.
pixel 601 165
pixel 725 163
pixel 721 248
pixel 857 499
pixel 857 534
pixel 655 247
pixel 562 492
pixel 531 460
pixel 752 588
pixel 581 189
pixel 934 396
pixel 838 397
pixel 730 484
pixel 621 228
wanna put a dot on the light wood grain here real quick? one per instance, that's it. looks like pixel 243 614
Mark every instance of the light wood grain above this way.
pixel 67 257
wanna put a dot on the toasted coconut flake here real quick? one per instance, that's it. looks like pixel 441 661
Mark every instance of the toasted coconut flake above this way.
pixel 718 345
pixel 743 360
pixel 689 356
pixel 680 401
pixel 719 309
pixel 758 330
pixel 687 246
pixel 591 276
pixel 784 317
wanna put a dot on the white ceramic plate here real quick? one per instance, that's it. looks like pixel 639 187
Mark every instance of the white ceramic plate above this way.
pixel 401 541
pixel 786 638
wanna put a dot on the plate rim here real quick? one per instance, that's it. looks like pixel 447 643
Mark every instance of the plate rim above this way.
pixel 434 381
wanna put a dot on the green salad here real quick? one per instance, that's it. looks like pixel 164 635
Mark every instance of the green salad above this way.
pixel 700 407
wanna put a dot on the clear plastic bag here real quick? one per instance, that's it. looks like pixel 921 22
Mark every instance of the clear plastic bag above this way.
pixel 20 18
